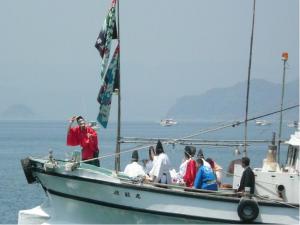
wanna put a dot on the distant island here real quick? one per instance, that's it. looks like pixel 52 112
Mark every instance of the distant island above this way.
pixel 229 103
pixel 17 112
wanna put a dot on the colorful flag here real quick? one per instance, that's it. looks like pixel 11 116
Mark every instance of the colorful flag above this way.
pixel 105 94
pixel 107 33
pixel 117 79
pixel 101 40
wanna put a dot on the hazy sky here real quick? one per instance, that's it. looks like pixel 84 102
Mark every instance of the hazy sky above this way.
pixel 169 49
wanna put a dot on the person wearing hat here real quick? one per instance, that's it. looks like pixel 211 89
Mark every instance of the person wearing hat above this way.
pixel 86 137
pixel 148 163
pixel 191 168
pixel 217 170
pixel 200 155
pixel 205 178
pixel 134 169
pixel 160 172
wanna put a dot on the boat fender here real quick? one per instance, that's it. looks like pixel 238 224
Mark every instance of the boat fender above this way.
pixel 280 190
pixel 27 168
pixel 248 210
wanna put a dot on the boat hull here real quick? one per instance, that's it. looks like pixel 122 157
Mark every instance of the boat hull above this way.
pixel 88 196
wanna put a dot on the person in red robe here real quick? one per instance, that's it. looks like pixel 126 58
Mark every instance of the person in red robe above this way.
pixel 191 169
pixel 86 137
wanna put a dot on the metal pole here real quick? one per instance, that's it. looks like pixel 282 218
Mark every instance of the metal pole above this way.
pixel 117 156
pixel 248 81
pixel 281 107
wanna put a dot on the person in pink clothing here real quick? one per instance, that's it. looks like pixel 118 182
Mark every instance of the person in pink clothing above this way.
pixel 86 137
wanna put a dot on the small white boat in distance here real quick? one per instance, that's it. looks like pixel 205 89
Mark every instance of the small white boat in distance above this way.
pixel 294 124
pixel 262 122
pixel 94 125
pixel 168 122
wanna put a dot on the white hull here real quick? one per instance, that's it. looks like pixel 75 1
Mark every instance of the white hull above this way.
pixel 86 196
pixel 168 122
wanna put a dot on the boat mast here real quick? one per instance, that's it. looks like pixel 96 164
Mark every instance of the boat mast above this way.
pixel 117 156
pixel 248 81
pixel 284 59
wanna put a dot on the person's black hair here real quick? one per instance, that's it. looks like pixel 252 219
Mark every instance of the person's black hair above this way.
pixel 187 152
pixel 199 161
pixel 200 154
pixel 246 161
pixel 159 148
pixel 151 149
pixel 135 156
pixel 211 162
pixel 193 150
pixel 79 118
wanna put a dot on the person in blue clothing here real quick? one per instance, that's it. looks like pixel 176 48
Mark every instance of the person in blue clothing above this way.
pixel 205 178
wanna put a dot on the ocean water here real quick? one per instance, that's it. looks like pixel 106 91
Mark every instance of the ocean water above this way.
pixel 19 139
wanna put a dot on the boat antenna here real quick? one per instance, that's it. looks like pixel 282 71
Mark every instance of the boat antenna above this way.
pixel 284 58
pixel 248 81
pixel 117 156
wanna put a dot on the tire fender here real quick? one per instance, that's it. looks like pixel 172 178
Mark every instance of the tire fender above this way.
pixel 247 210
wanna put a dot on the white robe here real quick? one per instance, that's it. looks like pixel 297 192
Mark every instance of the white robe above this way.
pixel 160 169
pixel 182 169
pixel 134 169
pixel 148 166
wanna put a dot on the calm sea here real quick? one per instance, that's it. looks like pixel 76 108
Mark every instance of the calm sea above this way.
pixel 19 139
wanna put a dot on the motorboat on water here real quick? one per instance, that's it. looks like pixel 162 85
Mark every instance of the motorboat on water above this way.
pixel 294 124
pixel 168 122
pixel 94 125
pixel 82 193
pixel 262 122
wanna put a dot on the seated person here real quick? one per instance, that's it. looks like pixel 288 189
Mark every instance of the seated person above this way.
pixel 134 169
pixel 217 170
pixel 148 164
pixel 200 155
pixel 191 170
pixel 182 169
pixel 205 178
pixel 160 171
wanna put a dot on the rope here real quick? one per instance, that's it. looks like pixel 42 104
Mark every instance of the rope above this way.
pixel 280 202
pixel 203 131
pixel 113 154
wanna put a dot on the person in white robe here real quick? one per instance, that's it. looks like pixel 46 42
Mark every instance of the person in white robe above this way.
pixel 160 172
pixel 149 162
pixel 134 169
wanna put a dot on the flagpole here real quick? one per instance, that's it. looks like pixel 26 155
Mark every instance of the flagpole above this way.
pixel 248 81
pixel 117 157
pixel 284 59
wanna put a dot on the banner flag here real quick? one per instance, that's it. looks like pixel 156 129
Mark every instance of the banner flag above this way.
pixel 107 33
pixel 105 94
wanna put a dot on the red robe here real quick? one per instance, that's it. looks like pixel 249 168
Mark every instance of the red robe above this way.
pixel 190 173
pixel 76 136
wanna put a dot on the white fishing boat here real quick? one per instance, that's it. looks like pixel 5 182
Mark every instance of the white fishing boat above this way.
pixel 168 122
pixel 294 124
pixel 262 122
pixel 82 193
pixel 94 125
pixel 79 193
